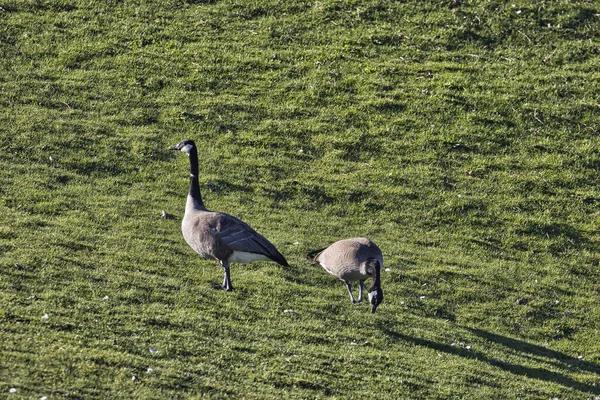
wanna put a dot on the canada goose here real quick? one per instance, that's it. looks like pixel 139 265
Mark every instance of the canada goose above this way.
pixel 217 235
pixel 354 260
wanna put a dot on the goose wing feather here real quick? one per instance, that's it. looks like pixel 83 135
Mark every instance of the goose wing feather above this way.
pixel 239 236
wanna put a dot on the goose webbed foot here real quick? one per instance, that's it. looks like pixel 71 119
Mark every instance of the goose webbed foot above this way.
pixel 219 286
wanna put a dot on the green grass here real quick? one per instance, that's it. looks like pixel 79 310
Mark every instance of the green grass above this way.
pixel 460 136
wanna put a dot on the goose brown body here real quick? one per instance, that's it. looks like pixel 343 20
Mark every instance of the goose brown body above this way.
pixel 355 259
pixel 221 236
pixel 347 258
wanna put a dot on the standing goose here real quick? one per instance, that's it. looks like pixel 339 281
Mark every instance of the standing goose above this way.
pixel 354 260
pixel 217 235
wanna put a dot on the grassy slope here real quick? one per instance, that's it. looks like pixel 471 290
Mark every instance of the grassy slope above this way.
pixel 460 137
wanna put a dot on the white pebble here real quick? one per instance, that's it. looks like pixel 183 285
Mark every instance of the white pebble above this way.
pixel 13 390
pixel 387 270
pixel 468 347
pixel 149 370
pixel 105 298
pixel 421 297
pixel 452 344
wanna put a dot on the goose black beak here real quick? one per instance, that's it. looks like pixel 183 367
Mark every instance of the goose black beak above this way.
pixel 176 147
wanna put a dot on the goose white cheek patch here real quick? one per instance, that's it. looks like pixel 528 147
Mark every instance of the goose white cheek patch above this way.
pixel 372 295
pixel 187 148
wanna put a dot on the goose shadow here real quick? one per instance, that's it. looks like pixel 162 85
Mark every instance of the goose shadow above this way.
pixel 532 349
pixel 524 347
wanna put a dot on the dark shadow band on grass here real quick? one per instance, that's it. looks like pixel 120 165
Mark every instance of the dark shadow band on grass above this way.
pixel 535 373
pixel 540 351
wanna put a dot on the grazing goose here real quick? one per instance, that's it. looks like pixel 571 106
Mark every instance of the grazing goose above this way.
pixel 354 260
pixel 217 235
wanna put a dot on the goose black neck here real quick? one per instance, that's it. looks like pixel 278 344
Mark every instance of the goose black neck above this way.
pixel 375 270
pixel 194 184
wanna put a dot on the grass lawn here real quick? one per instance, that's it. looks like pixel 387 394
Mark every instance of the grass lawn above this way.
pixel 460 136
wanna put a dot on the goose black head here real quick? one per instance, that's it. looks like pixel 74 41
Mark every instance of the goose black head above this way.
pixel 375 298
pixel 185 146
pixel 373 267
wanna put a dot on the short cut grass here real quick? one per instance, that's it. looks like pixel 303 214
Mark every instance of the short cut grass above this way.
pixel 460 136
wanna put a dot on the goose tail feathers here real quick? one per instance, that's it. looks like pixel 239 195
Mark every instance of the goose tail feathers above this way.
pixel 314 254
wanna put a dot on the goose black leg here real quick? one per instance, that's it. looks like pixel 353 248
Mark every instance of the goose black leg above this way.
pixel 227 278
pixel 227 286
pixel 350 292
pixel 361 287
